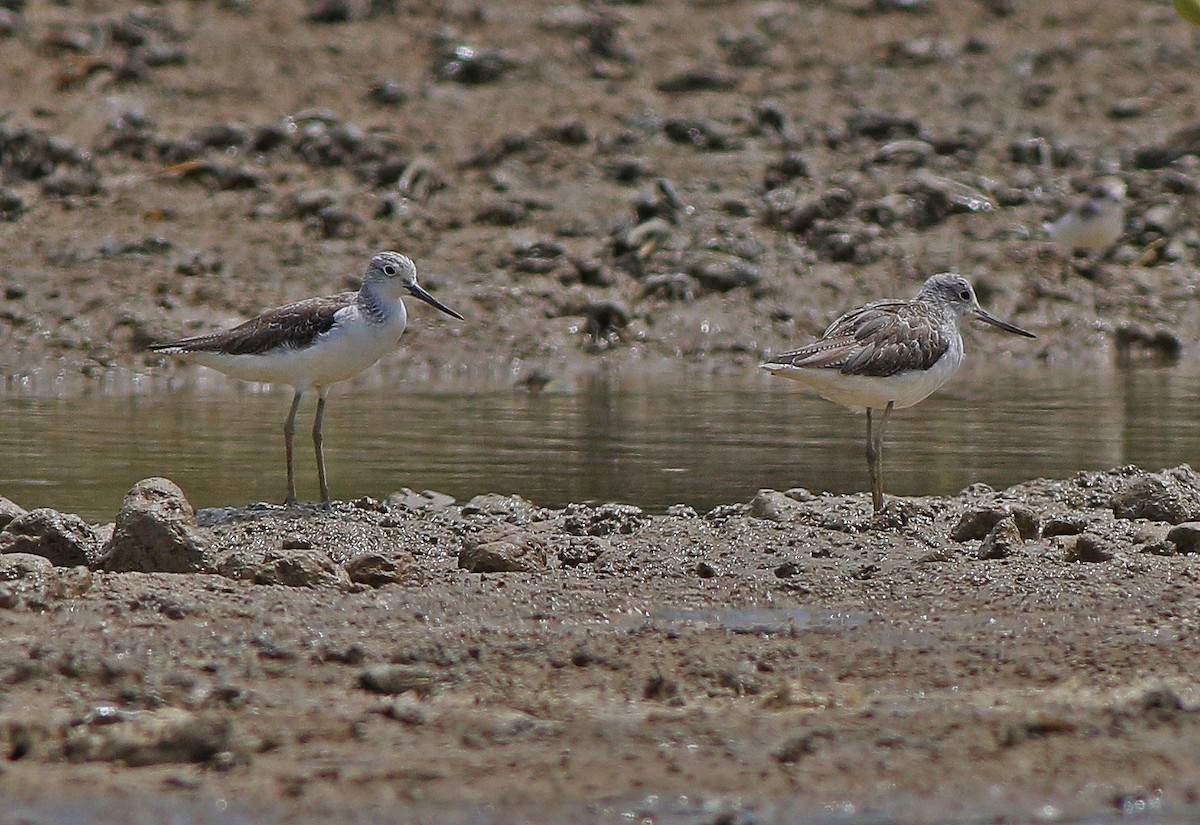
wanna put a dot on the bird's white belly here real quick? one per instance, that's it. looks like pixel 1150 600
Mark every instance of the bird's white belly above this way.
pixel 338 355
pixel 865 391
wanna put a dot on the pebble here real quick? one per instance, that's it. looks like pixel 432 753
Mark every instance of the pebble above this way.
pixel 1185 537
pixel 773 505
pixel 376 570
pixel 156 532
pixel 1158 497
pixel 63 538
pixel 503 548
pixel 1002 540
pixel 1088 547
pixel 163 736
pixel 290 567
pixel 9 510
pixel 396 678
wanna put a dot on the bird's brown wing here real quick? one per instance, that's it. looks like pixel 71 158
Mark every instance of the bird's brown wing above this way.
pixel 879 339
pixel 291 326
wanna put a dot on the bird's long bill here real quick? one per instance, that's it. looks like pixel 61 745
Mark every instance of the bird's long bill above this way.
pixel 417 292
pixel 986 316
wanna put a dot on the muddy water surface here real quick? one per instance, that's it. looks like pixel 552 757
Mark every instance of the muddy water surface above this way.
pixel 650 439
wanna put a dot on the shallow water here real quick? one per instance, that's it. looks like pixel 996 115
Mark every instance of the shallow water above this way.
pixel 648 439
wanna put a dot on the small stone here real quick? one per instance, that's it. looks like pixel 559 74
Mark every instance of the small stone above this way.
pixel 1069 526
pixel 787 570
pixel 706 571
pixel 697 79
pixel 723 272
pixel 63 538
pixel 9 510
pixel 16 566
pixel 1002 541
pixel 376 570
pixel 299 568
pixel 494 504
pixel 1088 547
pixel 582 550
pixel 1159 497
pixel 156 532
pixel 503 548
pixel 157 737
pixel 392 678
pixel 1185 537
pixel 773 505
pixel 976 524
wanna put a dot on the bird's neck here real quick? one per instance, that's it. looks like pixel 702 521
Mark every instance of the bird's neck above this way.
pixel 377 305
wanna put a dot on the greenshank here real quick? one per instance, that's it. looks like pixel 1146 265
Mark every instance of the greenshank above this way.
pixel 315 343
pixel 889 355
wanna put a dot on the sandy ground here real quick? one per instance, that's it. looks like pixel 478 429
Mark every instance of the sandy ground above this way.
pixel 609 184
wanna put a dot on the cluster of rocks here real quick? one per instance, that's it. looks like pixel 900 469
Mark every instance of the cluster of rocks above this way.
pixel 366 543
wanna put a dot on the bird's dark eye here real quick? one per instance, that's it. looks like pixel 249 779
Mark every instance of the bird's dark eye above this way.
pixel 964 296
pixel 389 270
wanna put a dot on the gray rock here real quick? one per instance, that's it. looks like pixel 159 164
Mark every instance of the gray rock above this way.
pixel 977 523
pixel 1163 496
pixel 1088 547
pixel 287 566
pixel 15 566
pixel 64 538
pixel 156 737
pixel 399 679
pixel 156 532
pixel 1185 537
pixel 773 505
pixel 503 548
pixel 376 570
pixel 9 510
pixel 1002 541
pixel 427 501
pixel 494 504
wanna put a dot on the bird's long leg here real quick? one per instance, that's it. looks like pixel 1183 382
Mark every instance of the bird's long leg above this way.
pixel 873 466
pixel 318 441
pixel 289 430
pixel 877 450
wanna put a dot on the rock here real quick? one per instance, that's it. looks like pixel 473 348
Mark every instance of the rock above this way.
pixel 1159 497
pixel 1002 541
pixel 1185 537
pixel 156 532
pixel 494 504
pixel 1064 526
pixel 602 520
pixel 15 566
pixel 289 567
pixel 376 570
pixel 700 78
pixel 1088 547
pixel 393 678
pixel 63 538
pixel 466 65
pixel 9 510
pixel 426 501
pixel 503 548
pixel 155 737
pixel 582 550
pixel 721 272
pixel 976 524
pixel 773 505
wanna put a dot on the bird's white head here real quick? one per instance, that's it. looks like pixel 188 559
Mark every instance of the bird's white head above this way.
pixel 954 294
pixel 394 275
